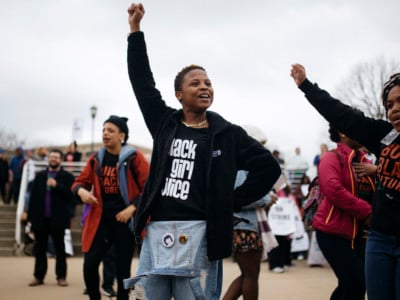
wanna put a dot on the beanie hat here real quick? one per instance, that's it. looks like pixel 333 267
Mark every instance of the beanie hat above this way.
pixel 121 123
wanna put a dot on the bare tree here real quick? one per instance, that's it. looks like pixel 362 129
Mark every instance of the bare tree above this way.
pixel 9 140
pixel 363 87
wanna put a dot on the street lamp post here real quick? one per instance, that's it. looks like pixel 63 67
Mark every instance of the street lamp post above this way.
pixel 93 111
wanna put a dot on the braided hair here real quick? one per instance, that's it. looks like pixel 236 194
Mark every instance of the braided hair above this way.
pixel 393 81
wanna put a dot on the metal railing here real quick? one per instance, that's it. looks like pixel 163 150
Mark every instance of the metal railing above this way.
pixel 74 167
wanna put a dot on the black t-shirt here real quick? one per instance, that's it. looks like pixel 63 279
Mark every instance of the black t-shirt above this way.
pixel 386 204
pixel 182 196
pixel 110 192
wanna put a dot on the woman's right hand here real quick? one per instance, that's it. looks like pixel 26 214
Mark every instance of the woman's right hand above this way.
pixel 87 197
pixel 136 13
pixel 298 72
pixel 365 169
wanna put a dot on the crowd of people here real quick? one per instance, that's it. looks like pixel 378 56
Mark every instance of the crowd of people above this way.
pixel 11 167
pixel 212 190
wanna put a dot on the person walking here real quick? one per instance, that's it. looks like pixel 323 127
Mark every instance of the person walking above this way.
pixel 381 137
pixel 49 212
pixel 16 167
pixel 279 258
pixel 248 246
pixel 4 175
pixel 111 184
pixel 108 264
pixel 189 198
pixel 341 210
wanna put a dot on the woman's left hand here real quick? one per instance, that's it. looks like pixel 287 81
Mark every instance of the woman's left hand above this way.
pixel 125 215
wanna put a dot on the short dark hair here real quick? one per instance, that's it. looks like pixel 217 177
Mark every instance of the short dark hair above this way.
pixel 57 151
pixel 333 134
pixel 179 77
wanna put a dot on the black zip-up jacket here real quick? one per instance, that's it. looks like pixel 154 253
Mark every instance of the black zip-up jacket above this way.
pixel 62 200
pixel 231 149
pixel 370 133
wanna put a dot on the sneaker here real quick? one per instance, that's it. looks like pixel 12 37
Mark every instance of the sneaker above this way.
pixel 277 270
pixel 109 292
pixel 300 257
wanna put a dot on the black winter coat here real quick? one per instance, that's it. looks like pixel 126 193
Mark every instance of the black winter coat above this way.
pixel 62 200
pixel 231 149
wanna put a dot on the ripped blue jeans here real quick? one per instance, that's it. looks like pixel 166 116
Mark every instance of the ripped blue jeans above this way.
pixel 173 263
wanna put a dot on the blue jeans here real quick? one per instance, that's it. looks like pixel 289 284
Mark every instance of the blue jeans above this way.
pixel 173 263
pixel 382 266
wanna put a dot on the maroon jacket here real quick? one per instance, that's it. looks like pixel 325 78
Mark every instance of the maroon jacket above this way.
pixel 340 208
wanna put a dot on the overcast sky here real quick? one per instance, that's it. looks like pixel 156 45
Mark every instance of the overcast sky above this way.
pixel 58 58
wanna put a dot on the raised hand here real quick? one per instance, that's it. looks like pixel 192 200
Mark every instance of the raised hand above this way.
pixel 136 13
pixel 298 72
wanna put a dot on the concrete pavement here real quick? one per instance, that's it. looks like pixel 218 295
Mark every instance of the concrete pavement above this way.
pixel 300 282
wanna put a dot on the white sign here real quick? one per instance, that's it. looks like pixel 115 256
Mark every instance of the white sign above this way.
pixel 281 216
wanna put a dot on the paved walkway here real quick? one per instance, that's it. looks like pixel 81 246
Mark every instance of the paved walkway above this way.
pixel 300 282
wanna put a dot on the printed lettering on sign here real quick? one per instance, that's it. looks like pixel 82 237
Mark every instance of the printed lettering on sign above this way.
pixel 177 183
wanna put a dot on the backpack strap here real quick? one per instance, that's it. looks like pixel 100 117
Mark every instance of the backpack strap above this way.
pixel 133 172
pixel 92 158
pixel 339 156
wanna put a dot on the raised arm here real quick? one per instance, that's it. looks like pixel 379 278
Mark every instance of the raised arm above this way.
pixel 298 72
pixel 136 13
pixel 153 107
pixel 345 118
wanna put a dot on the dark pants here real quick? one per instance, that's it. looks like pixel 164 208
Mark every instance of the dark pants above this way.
pixel 14 191
pixel 347 264
pixel 109 233
pixel 3 190
pixel 109 268
pixel 40 251
pixel 280 256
